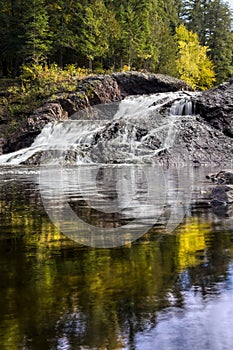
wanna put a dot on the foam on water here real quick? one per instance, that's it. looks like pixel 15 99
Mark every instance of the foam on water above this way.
pixel 139 120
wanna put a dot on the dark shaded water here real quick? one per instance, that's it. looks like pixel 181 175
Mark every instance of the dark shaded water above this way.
pixel 162 291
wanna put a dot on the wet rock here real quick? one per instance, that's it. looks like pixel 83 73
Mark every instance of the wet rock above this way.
pixel 199 143
pixel 96 90
pixel 73 102
pixel 33 125
pixel 222 177
pixel 201 139
pixel 222 195
pixel 222 200
pixel 216 107
pixel 100 89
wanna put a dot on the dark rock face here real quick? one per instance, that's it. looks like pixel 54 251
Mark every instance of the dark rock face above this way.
pixel 101 89
pixel 195 143
pixel 199 143
pixel 216 107
pixel 33 126
pixel 222 177
pixel 221 196
pixel 106 89
pixel 91 91
pixel 131 83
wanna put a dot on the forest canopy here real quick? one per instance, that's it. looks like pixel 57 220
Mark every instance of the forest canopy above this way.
pixel 109 35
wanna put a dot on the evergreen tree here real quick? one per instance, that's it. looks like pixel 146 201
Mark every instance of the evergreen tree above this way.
pixel 10 44
pixel 164 20
pixel 112 33
pixel 97 26
pixel 219 39
pixel 211 20
pixel 134 47
pixel 64 27
pixel 35 31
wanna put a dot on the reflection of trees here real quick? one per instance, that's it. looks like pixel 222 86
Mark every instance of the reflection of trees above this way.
pixel 55 291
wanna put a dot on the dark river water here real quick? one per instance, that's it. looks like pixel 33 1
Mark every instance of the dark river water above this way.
pixel 169 287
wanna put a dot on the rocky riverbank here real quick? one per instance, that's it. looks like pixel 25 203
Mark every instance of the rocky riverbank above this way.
pixel 221 197
pixel 91 91
pixel 205 138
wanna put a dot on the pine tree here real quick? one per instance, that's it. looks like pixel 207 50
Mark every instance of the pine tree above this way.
pixel 136 46
pixel 35 31
pixel 164 20
pixel 97 26
pixel 219 39
pixel 10 43
pixel 64 27
pixel 211 20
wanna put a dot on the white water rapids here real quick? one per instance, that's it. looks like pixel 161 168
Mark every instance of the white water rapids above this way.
pixel 140 127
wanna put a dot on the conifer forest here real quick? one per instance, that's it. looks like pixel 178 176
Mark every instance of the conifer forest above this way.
pixel 191 40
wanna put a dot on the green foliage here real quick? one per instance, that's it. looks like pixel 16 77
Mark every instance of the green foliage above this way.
pixel 212 21
pixel 97 28
pixel 35 32
pixel 103 35
pixel 43 81
pixel 193 64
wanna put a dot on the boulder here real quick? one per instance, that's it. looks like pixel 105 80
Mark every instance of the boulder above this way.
pixel 136 83
pixel 222 177
pixel 222 195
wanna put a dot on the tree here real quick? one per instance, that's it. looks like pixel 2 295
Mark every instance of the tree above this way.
pixel 219 39
pixel 97 25
pixel 10 43
pixel 64 26
pixel 35 31
pixel 193 64
pixel 211 20
pixel 164 20
pixel 134 46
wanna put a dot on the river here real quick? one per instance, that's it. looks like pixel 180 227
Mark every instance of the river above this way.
pixel 103 247
pixel 168 289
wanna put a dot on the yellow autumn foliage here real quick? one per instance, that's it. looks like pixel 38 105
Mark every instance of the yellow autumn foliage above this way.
pixel 192 62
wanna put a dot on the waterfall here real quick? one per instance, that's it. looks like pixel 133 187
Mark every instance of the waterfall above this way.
pixel 183 106
pixel 135 130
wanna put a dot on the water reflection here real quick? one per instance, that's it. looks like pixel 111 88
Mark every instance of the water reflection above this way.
pixel 163 291
pixel 202 323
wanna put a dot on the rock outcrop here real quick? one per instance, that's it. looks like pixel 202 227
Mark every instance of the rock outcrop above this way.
pixel 206 137
pixel 131 83
pixel 32 126
pixel 222 177
pixel 216 107
pixel 91 91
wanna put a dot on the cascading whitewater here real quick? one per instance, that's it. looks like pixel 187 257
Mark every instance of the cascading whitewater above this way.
pixel 134 130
